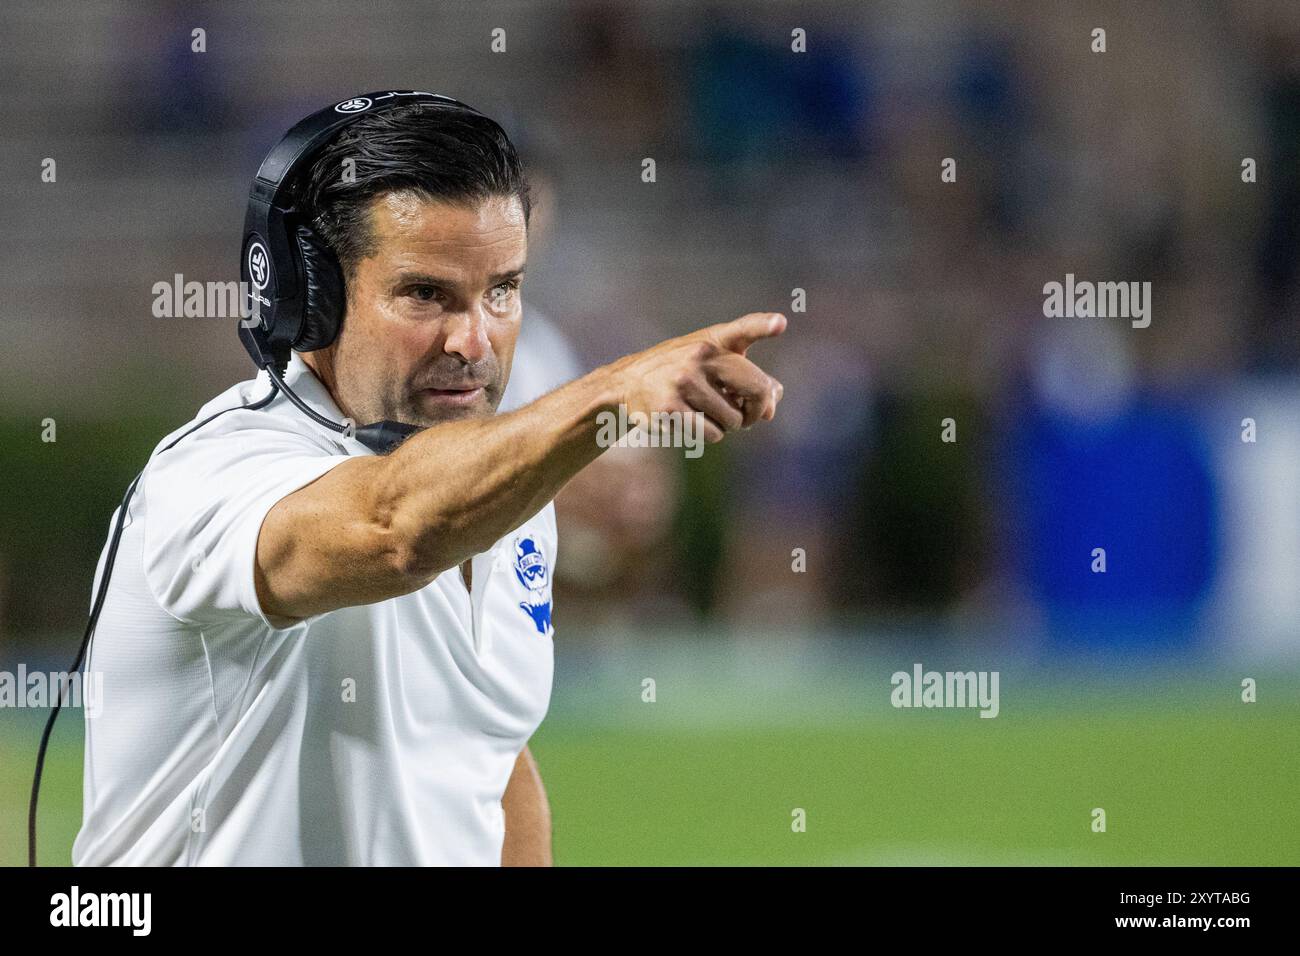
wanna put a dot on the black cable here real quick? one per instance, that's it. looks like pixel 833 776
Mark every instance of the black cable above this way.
pixel 278 382
pixel 118 527
pixel 379 437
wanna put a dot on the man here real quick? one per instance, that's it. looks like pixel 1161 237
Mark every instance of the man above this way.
pixel 313 654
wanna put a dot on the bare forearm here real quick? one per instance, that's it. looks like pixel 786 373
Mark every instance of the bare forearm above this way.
pixel 528 817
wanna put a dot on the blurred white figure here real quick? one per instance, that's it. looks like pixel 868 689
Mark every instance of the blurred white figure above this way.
pixel 544 360
pixel 614 512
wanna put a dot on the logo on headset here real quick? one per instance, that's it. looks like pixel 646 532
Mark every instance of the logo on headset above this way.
pixel 259 265
pixel 359 104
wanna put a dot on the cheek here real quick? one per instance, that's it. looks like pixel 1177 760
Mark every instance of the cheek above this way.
pixel 503 336
pixel 408 343
pixel 363 325
pixel 382 339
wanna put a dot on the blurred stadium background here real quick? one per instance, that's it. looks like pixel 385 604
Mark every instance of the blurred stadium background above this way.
pixel 775 171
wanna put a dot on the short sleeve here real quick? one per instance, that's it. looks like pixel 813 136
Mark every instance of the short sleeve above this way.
pixel 204 502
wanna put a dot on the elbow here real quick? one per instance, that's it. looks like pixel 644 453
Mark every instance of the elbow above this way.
pixel 403 544
pixel 408 556
pixel 420 535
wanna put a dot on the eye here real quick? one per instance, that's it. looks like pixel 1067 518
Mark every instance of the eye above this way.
pixel 425 293
pixel 505 289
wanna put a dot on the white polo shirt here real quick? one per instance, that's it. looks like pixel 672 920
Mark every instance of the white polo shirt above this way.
pixel 376 735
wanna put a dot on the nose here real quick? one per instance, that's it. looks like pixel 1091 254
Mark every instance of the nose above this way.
pixel 467 336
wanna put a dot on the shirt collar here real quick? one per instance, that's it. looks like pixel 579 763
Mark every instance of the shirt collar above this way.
pixel 299 377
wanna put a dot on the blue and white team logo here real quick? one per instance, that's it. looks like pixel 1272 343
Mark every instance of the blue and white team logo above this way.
pixel 530 569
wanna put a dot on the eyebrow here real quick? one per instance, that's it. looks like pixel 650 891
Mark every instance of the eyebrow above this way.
pixel 425 278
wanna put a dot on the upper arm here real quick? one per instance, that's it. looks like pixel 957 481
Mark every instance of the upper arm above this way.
pixel 204 502
pixel 327 545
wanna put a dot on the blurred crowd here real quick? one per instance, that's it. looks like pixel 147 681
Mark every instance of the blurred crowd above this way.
pixel 780 177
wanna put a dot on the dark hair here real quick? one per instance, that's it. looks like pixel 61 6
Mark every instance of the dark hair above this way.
pixel 437 151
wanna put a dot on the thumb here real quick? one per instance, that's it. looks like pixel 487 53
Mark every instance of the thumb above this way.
pixel 739 334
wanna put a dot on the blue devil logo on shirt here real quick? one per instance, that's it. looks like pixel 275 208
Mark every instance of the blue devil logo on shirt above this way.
pixel 530 569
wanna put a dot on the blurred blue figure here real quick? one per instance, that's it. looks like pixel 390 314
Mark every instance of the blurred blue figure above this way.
pixel 1096 465
pixel 752 100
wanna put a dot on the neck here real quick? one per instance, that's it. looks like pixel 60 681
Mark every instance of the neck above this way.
pixel 321 362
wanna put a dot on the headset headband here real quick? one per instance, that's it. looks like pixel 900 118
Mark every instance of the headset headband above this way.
pixel 308 135
pixel 272 255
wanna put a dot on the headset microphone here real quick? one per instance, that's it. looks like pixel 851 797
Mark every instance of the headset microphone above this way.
pixel 296 286
pixel 380 437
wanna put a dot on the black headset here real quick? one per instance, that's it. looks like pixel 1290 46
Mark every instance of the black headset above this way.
pixel 296 287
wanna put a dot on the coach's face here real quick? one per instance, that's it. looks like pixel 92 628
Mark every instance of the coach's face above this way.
pixel 432 315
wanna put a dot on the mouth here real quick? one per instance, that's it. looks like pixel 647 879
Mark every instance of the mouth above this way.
pixel 451 397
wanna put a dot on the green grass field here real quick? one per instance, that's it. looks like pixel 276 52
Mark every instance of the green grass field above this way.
pixel 711 772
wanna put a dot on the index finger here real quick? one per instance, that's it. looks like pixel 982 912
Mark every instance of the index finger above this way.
pixel 739 334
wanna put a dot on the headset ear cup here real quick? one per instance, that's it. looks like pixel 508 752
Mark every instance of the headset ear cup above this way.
pixel 323 295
